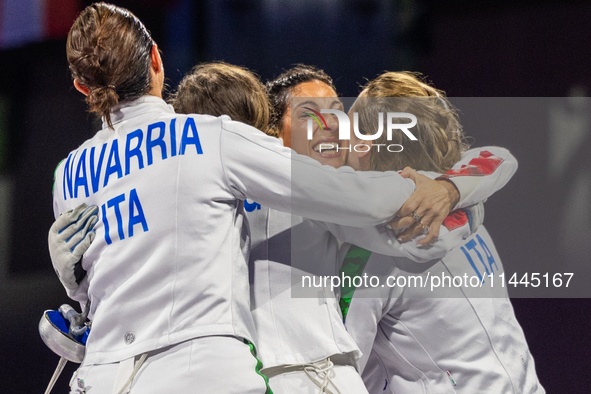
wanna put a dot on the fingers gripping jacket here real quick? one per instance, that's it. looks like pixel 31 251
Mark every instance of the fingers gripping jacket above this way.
pixel 69 237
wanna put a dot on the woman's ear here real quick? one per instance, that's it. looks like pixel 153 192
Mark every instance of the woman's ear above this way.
pixel 81 88
pixel 156 73
pixel 156 59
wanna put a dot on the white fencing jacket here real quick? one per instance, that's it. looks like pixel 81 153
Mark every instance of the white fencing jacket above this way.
pixel 169 261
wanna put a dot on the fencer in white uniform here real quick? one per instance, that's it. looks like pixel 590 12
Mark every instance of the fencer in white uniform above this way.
pixel 445 339
pixel 443 324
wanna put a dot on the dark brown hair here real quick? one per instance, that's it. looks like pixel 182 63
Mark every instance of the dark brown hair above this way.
pixel 281 88
pixel 441 140
pixel 108 50
pixel 224 89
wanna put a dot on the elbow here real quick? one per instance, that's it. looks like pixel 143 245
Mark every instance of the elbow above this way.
pixel 509 159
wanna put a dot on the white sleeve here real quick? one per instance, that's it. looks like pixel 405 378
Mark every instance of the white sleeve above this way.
pixel 380 239
pixel 480 173
pixel 258 167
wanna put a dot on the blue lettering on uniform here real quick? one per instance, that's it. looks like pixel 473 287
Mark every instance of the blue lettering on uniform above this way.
pixel 75 171
pixel 114 203
pixel 81 179
pixel 95 172
pixel 68 174
pixel 106 222
pixel 150 143
pixel 134 203
pixel 472 263
pixel 129 153
pixel 248 207
pixel 489 256
pixel 173 137
pixel 113 163
pixel 190 140
pixel 136 215
pixel 472 246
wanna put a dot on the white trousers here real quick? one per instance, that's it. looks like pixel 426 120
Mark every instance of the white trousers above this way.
pixel 344 379
pixel 216 364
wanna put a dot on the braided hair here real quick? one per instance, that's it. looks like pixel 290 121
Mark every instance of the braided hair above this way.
pixel 108 50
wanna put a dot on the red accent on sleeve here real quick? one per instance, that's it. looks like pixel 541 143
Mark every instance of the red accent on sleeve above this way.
pixel 455 219
pixel 485 164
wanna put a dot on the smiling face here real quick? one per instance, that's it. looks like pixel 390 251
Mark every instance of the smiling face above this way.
pixel 323 145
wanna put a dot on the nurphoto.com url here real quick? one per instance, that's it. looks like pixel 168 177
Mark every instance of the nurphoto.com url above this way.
pixel 443 280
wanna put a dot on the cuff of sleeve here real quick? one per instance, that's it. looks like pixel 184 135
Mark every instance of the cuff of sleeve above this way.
pixel 465 185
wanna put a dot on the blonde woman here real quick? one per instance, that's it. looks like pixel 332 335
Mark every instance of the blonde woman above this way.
pixel 448 338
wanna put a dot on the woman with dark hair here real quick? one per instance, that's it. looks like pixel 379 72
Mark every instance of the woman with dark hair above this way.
pixel 302 341
pixel 307 81
pixel 167 276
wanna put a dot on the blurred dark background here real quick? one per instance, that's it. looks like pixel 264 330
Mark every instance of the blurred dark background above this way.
pixel 501 48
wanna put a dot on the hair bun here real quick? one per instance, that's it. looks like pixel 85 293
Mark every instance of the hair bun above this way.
pixel 102 98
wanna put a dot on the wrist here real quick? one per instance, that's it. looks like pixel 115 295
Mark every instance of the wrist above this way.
pixel 452 191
